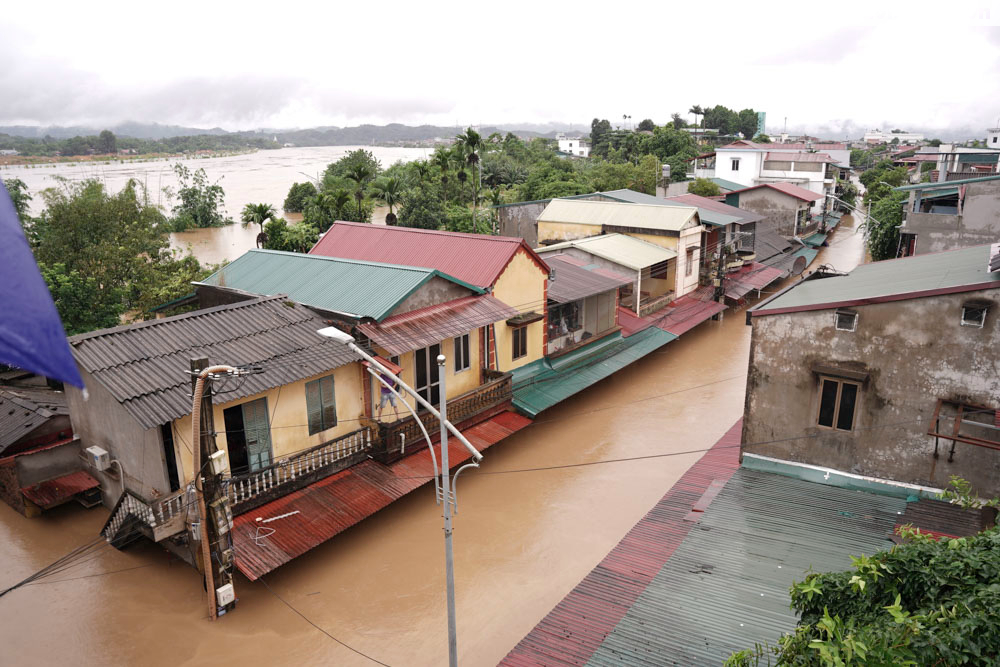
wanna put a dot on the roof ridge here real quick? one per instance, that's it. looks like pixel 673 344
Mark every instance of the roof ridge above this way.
pixel 330 258
pixel 135 326
pixel 439 232
pixel 625 203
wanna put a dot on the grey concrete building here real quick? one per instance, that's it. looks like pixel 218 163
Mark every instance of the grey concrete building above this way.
pixel 890 371
pixel 950 214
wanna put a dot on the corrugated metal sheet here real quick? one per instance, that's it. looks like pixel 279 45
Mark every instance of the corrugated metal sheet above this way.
pixel 58 490
pixel 952 270
pixel 572 282
pixel 688 312
pixel 717 212
pixel 332 505
pixel 803 147
pixel 546 382
pixel 145 366
pixel 433 324
pixel 949 184
pixel 815 240
pixel 798 157
pixel 786 188
pixel 474 258
pixel 727 186
pixel 753 276
pixel 619 214
pixel 24 410
pixel 365 289
pixel 576 627
pixel 624 250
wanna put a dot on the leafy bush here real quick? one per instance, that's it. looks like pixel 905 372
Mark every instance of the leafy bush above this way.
pixel 298 195
pixel 704 188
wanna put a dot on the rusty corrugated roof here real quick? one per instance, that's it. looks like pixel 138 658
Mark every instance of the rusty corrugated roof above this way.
pixel 433 324
pixel 571 280
pixel 332 505
pixel 787 188
pixel 798 157
pixel 54 491
pixel 145 366
pixel 474 258
pixel 24 410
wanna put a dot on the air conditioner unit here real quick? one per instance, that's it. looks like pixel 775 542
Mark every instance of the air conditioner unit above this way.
pixel 225 595
pixel 219 462
pixel 99 458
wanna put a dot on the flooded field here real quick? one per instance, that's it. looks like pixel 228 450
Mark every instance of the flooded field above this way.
pixel 526 533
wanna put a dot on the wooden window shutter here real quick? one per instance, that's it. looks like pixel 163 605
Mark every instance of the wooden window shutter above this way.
pixel 329 401
pixel 314 407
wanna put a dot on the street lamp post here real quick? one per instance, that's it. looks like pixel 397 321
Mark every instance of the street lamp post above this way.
pixel 447 480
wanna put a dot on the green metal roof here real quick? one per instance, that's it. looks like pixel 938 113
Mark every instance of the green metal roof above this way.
pixel 726 586
pixel 815 240
pixel 363 289
pixel 910 277
pixel 946 184
pixel 621 249
pixel 727 185
pixel 543 383
pixel 808 253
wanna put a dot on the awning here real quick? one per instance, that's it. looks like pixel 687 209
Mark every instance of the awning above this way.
pixel 433 324
pixel 59 490
pixel 332 505
pixel 544 383
pixel 573 279
pixel 688 312
pixel 807 255
pixel 750 277
pixel 815 240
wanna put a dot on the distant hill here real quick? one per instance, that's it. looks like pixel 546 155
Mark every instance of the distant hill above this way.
pixel 126 129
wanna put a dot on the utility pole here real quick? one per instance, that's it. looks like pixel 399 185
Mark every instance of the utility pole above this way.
pixel 215 518
pixel 449 557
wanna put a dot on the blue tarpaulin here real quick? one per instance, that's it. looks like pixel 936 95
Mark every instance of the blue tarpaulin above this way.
pixel 31 334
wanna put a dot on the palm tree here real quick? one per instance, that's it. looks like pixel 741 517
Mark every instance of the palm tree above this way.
pixel 462 178
pixel 471 142
pixel 442 159
pixel 422 169
pixel 361 175
pixel 256 214
pixel 696 110
pixel 390 190
pixel 333 202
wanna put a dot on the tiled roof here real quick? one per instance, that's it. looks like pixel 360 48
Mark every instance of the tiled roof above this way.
pixel 947 272
pixel 799 157
pixel 620 214
pixel 359 288
pixel 433 324
pixel 787 188
pixel 624 250
pixel 24 410
pixel 146 366
pixel 705 205
pixel 477 259
pixel 574 280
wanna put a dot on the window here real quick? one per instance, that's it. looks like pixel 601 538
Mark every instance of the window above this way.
pixel 248 436
pixel 974 315
pixel 735 163
pixel 461 353
pixel 519 341
pixel 689 265
pixel 428 373
pixel 321 404
pixel 994 139
pixel 837 404
pixel 660 270
pixel 845 320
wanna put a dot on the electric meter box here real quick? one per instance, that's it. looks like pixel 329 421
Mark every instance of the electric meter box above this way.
pixel 222 515
pixel 219 462
pixel 99 458
pixel 225 595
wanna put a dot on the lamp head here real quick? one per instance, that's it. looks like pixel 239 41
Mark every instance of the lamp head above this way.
pixel 336 334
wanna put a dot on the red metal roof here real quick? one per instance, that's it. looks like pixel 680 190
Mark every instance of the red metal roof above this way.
pixel 330 506
pixel 54 491
pixel 718 207
pixel 689 312
pixel 787 188
pixel 750 277
pixel 576 627
pixel 572 281
pixel 432 324
pixel 805 147
pixel 798 157
pixel 474 258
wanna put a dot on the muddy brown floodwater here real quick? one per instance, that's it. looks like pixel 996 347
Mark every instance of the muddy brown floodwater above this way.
pixel 522 539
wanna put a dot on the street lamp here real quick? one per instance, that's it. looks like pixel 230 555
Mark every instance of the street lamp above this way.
pixel 447 481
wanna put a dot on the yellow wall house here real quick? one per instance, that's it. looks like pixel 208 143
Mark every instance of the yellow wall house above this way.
pixel 675 228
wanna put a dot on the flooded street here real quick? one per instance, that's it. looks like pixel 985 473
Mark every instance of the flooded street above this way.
pixel 524 537
pixel 260 177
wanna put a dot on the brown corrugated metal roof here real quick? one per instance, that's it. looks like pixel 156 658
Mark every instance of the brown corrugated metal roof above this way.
pixel 24 410
pixel 474 258
pixel 433 324
pixel 787 188
pixel 54 491
pixel 573 281
pixel 332 505
pixel 145 366
pixel 798 157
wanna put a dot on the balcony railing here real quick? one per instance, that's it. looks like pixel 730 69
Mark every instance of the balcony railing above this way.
pixel 405 436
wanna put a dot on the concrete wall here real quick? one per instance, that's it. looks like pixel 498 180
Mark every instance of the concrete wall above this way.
pixel 520 219
pixel 687 275
pixel 779 210
pixel 557 232
pixel 750 164
pixel 672 189
pixel 49 463
pixel 434 291
pixel 101 420
pixel 522 285
pixel 913 352
pixel 978 224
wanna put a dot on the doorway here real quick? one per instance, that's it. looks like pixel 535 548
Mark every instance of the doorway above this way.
pixel 248 437
pixel 427 373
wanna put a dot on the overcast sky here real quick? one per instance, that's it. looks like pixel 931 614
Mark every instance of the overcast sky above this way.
pixel 831 67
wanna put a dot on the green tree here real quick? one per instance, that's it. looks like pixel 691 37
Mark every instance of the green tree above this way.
pixel 106 142
pixel 19 195
pixel 704 188
pixel 471 143
pixel 341 169
pixel 360 175
pixel 442 160
pixel 677 121
pixel 600 137
pixel 747 119
pixel 762 139
pixel 81 302
pixel 290 238
pixel 257 214
pixel 298 196
pixel 390 190
pixel 882 226
pixel 646 125
pixel 696 111
pixel 200 202
pixel 422 208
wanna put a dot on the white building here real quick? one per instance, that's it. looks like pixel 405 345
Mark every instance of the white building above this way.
pixel 751 164
pixel 877 136
pixel 993 137
pixel 575 146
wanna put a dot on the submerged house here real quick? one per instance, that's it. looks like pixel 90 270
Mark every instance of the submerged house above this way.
pixel 889 371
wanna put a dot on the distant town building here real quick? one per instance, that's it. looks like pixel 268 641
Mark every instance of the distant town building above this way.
pixel 575 146
pixel 761 123
pixel 879 137
pixel 7 151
